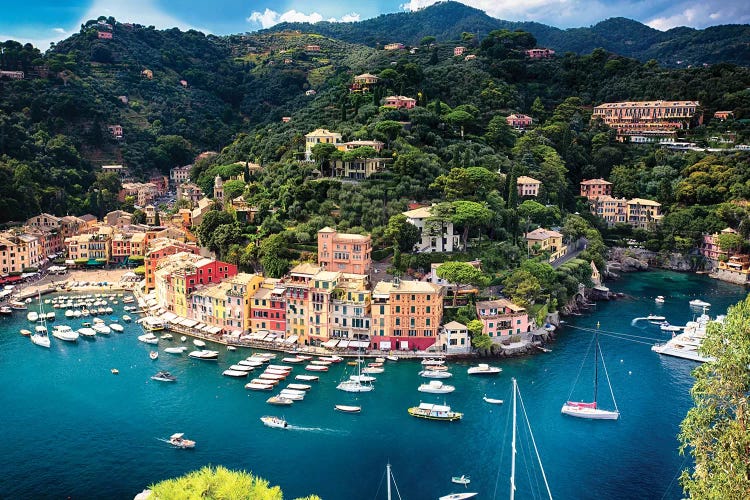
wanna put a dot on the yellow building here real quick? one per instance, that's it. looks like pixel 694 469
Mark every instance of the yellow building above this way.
pixel 238 300
pixel 545 240
pixel 642 212
pixel 320 136
pixel 351 316
pixel 208 305
pixel 19 252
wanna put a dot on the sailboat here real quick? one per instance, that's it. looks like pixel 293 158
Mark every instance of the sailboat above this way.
pixel 40 336
pixel 590 410
pixel 355 382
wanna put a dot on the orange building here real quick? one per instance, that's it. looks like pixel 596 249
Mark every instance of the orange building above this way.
pixel 528 186
pixel 648 120
pixel 594 188
pixel 400 101
pixel 344 252
pixel 160 248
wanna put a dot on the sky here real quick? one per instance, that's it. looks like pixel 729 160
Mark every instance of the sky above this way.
pixel 43 21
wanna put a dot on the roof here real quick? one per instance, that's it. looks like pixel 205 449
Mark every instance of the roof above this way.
pixel 594 182
pixel 262 293
pixel 519 116
pixel 500 304
pixel 419 213
pixel 542 234
pixel 327 229
pixel 87 217
pixel 527 180
pixel 322 132
pixel 641 201
pixel 454 325
pixel 366 75
pixel 406 286
pixel 305 268
pixel 646 104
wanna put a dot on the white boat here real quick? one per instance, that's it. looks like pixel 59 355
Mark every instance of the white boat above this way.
pixel 373 370
pixel 462 479
pixel 659 299
pixel 204 354
pixel 293 394
pixel 242 368
pixel 347 408
pixel 178 441
pixel 392 358
pixel 51 316
pixel 433 361
pixel 275 422
pixel 492 401
pixel 6 310
pixel 590 410
pixel 17 305
pixel 280 367
pixel 431 411
pixel 435 374
pixel 234 373
pixel 699 303
pixel 164 376
pixel 25 332
pixel 436 387
pixel 272 376
pixel 175 350
pixel 655 317
pixel 64 332
pixel 331 359
pixel 687 344
pixel 40 336
pixel 166 336
pixel 666 327
pixel 87 332
pixel 69 313
pixel 183 338
pixel 307 378
pixel 483 369
pixel 153 355
pixel 292 360
pixel 231 348
pixel 299 387
pixel 102 328
pixel 254 364
pixel 316 368
pixel 152 323
pixel 149 338
pixel 33 316
pixel 362 378
pixel 199 343
pixel 116 327
pixel 321 362
pixel 279 400
pixel 126 318
pixel 380 360
pixel 458 496
pixel 257 386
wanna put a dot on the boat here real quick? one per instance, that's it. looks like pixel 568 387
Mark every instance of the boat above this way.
pixel 234 373
pixel 351 363
pixel 40 336
pixel 204 354
pixel 316 368
pixel 116 327
pixel 294 396
pixel 432 411
pixel 126 318
pixel 183 338
pixel 279 400
pixel 686 345
pixel 102 328
pixel 152 324
pixel 304 357
pixel 299 387
pixel 128 300
pixel 655 317
pixel 115 371
pixel 25 332
pixel 666 327
pixel 198 343
pixel 51 316
pixel 17 305
pixel 435 374
pixel 347 408
pixel 331 359
pixel 276 422
pixel 433 361
pixel 33 316
pixel 292 360
pixel 458 496
pixel 373 370
pixel 392 358
pixel 272 376
pixel 483 369
pixel 462 479
pixel 175 350
pixel 166 336
pixel 659 299
pixel 164 376
pixel 380 360
pixel 87 332
pixel 149 338
pixel 492 401
pixel 66 333
pixel 590 410
pixel 257 386
pixel 178 441
pixel 699 303
pixel 436 387
pixel 5 310
pixel 307 378
pixel 153 354
pixel 69 313
pixel 231 348
pixel 320 362
pixel 280 368
pixel 253 364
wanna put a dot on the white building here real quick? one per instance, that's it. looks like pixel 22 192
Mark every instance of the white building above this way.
pixel 435 237
pixel 454 338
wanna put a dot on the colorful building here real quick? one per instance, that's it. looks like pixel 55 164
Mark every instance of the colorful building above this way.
pixel 320 136
pixel 238 298
pixel 540 53
pixel 594 188
pixel 710 248
pixel 268 308
pixel 394 46
pixel 454 339
pixel 344 252
pixel 642 213
pixel 649 120
pixel 545 240
pixel 528 186
pixel 159 249
pixel 519 121
pixel 351 317
pixel 400 101
pixel 359 168
pixel 502 318
pixel 432 238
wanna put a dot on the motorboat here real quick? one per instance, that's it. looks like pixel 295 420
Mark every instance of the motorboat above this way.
pixel 484 369
pixel 433 361
pixel 659 299
pixel 392 358
pixel 102 328
pixel 51 316
pixel 17 305
pixel 183 338
pixel 178 441
pixel 331 359
pixel 321 362
pixel 25 332
pixel 373 370
pixel 167 336
pixel 293 395
pixel 231 348
pixel 666 327
pixel 307 378
pixel 292 360
pixel 115 371
pixel 316 368
pixel 380 360
pixel 272 376
pixel 492 401
pixel 128 300
pixel 299 387
pixel 254 364
pixel 434 412
pixel 242 368
pixel 199 343
pixel 234 373
pixel 257 386
pixel 436 387
pixel 5 310
pixel 164 376
pixel 354 386
pixel 126 318
pixel 347 408
pixel 435 374
pixel 33 316
pixel 64 332
pixel 152 323
pixel 149 338
pixel 699 303
pixel 458 496
pixel 69 313
pixel 362 378
pixel 279 400
pixel 276 422
pixel 87 332
pixel 109 310
pixel 153 354
pixel 304 357
pixel 175 350
pixel 116 327
pixel 655 317
pixel 204 354
pixel 462 479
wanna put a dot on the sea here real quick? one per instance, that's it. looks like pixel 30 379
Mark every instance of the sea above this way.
pixel 72 429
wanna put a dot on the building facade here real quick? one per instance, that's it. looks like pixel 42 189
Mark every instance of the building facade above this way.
pixel 502 318
pixel 528 186
pixel 433 237
pixel 594 188
pixel 344 252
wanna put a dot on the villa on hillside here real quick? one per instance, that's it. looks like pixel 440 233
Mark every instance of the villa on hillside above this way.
pixel 541 53
pixel 399 101
pixel 344 252
pixel 545 240
pixel 594 188
pixel 320 136
pixel 502 318
pixel 519 121
pixel 638 212
pixel 394 46
pixel 528 186
pixel 432 238
pixel 363 82
pixel 648 121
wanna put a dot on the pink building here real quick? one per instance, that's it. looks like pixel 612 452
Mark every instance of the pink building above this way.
pixel 343 252
pixel 115 131
pixel 394 46
pixel 104 35
pixel 458 51
pixel 528 186
pixel 399 101
pixel 594 188
pixel 710 246
pixel 519 121
pixel 540 53
pixel 502 318
pixel 268 308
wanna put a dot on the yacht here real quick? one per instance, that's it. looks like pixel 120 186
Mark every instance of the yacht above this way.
pixel 152 324
pixel 686 344
pixel 276 422
pixel 234 373
pixel 435 374
pixel 33 316
pixel 87 332
pixel 199 343
pixel 175 350
pixel 5 310
pixel 655 317
pixel 117 327
pixel 347 408
pixel 164 376
pixel 483 369
pixel 102 328
pixel 257 386
pixel 178 441
pixel 205 354
pixel 279 400
pixel 126 318
pixel 149 338
pixel 659 299
pixel 434 412
pixel 17 305
pixel 699 303
pixel 64 332
pixel 436 387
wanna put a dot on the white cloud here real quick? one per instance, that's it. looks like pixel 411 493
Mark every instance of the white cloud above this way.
pixel 62 31
pixel 684 18
pixel 134 11
pixel 270 17
pixel 697 15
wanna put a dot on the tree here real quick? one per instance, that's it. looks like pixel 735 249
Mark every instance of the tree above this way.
pixel 211 221
pixel 461 273
pixel 232 189
pixel 403 234
pixel 218 483
pixel 499 134
pixel 522 287
pixel 574 227
pixel 470 214
pixel 388 129
pixel 322 153
pixel 274 253
pixel 715 430
pixel 731 242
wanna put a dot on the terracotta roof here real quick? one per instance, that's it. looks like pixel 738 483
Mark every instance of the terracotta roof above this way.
pixel 594 182
pixel 542 234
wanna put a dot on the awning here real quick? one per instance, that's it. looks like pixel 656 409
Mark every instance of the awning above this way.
pixel 213 329
pixel 292 339
pixel 358 343
pixel 188 322
pixel 343 343
pixel 168 316
pixel 405 344
pixel 385 344
pixel 330 343
pixel 70 262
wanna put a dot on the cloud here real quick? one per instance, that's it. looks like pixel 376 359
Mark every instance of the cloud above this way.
pixel 270 17
pixel 698 15
pixel 135 11
pixel 62 31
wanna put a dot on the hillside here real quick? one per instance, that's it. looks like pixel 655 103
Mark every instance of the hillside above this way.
pixel 448 20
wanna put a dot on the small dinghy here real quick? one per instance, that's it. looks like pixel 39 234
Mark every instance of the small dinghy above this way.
pixel 493 401
pixel 347 408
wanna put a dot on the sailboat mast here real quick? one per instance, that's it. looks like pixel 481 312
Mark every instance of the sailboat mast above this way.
pixel 513 446
pixel 596 361
pixel 388 478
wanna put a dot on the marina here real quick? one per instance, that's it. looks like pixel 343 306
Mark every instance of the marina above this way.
pixel 74 382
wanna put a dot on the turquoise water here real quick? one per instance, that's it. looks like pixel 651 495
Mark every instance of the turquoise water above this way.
pixel 72 429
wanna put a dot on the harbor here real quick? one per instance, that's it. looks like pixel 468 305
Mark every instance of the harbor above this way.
pixel 70 390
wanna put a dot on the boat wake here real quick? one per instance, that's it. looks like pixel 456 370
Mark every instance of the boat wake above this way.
pixel 321 430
